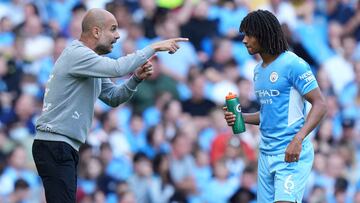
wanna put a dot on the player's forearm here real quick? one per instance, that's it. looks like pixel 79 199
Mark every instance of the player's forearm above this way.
pixel 252 118
pixel 317 112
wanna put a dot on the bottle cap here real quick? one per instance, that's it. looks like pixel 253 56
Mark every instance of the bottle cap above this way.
pixel 230 96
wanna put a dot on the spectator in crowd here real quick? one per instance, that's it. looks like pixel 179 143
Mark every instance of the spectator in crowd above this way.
pixel 128 197
pixel 352 25
pixel 181 166
pixel 140 181
pixel 335 168
pixel 341 191
pixel 87 182
pixel 10 76
pixel 349 97
pixel 357 197
pixel 234 157
pixel 222 56
pixel 21 192
pixel 243 195
pixel 198 106
pixel 284 11
pixel 156 142
pixel 172 116
pixel 222 179
pixel 324 139
pixel 200 29
pixel 6 34
pixel 247 188
pixel 46 63
pixel 162 186
pixel 246 98
pixel 148 14
pixel 338 11
pixel 114 135
pixel 34 37
pixel 318 194
pixel 202 169
pixel 229 14
pixel 136 134
pixel 17 169
pixel 157 84
pixel 179 64
pixel 153 114
pixel 116 168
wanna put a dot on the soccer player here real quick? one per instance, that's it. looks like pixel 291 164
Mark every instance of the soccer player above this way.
pixel 81 76
pixel 282 81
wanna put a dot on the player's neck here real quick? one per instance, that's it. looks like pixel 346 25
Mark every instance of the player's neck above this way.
pixel 267 59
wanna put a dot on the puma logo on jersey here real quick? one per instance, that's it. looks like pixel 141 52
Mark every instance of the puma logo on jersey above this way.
pixel 76 115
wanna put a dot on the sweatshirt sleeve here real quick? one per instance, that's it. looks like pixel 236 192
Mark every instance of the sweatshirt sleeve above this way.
pixel 114 95
pixel 86 63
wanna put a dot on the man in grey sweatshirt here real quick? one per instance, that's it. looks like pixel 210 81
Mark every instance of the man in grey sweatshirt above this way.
pixel 79 77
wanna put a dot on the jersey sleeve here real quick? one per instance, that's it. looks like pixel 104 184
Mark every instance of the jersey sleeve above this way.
pixel 301 77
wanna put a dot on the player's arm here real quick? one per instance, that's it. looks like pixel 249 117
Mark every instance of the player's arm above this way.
pixel 250 118
pixel 317 112
pixel 302 78
pixel 315 115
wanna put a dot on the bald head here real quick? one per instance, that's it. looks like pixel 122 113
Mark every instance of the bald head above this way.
pixel 95 18
pixel 99 31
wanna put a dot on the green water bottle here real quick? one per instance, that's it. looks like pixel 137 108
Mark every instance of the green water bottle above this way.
pixel 233 105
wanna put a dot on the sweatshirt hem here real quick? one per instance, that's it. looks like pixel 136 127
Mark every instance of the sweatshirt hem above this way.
pixel 48 136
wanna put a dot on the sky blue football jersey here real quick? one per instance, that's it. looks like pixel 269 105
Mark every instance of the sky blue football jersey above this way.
pixel 279 88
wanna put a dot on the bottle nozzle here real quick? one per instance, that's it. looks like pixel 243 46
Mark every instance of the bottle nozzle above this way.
pixel 231 95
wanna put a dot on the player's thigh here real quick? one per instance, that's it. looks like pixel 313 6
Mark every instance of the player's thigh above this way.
pixel 266 190
pixel 291 178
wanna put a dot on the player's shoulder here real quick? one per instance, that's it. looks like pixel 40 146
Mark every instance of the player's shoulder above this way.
pixel 295 60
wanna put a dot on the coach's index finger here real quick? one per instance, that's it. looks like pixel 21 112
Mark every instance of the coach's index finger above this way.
pixel 181 39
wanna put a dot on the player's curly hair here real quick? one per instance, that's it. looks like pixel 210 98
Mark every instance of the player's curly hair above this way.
pixel 265 27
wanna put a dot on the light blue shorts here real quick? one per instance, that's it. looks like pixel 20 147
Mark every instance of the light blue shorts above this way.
pixel 282 181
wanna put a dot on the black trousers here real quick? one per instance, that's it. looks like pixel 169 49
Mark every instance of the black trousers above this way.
pixel 56 163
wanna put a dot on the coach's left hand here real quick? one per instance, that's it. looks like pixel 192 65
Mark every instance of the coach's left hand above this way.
pixel 144 71
pixel 292 153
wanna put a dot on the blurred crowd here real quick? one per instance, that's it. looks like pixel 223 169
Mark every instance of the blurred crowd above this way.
pixel 170 142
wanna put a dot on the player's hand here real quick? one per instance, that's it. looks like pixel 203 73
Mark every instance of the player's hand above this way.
pixel 144 71
pixel 169 45
pixel 293 150
pixel 229 117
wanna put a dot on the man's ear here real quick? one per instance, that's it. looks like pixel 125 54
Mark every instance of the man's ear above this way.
pixel 96 32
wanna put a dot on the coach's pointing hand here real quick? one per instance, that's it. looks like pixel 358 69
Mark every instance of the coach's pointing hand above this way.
pixel 169 45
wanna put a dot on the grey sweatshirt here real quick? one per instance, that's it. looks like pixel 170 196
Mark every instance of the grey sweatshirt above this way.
pixel 79 77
